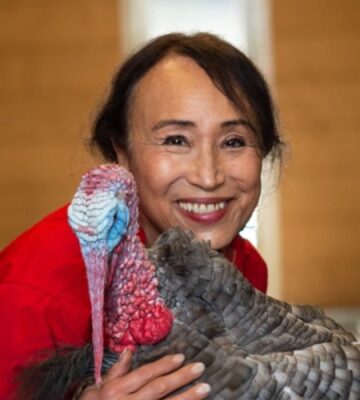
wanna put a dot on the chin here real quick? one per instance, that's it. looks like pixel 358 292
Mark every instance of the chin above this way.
pixel 216 243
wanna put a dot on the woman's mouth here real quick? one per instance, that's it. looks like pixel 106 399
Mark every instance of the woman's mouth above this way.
pixel 207 211
pixel 201 208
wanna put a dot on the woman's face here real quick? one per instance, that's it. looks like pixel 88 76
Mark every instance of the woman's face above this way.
pixel 193 155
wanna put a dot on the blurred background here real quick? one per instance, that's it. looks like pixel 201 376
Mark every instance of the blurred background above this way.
pixel 57 59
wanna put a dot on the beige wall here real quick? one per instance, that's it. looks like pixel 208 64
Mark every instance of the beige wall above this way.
pixel 56 59
pixel 317 71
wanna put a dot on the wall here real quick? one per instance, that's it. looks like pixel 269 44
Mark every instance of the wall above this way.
pixel 57 57
pixel 56 60
pixel 317 73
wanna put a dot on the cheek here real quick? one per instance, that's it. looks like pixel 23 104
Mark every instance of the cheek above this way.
pixel 255 180
pixel 254 185
pixel 154 173
pixel 247 173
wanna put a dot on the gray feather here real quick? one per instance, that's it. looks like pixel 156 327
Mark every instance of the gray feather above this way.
pixel 253 346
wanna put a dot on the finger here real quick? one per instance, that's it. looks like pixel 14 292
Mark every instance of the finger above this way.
pixel 107 388
pixel 121 367
pixel 196 392
pixel 139 377
pixel 163 385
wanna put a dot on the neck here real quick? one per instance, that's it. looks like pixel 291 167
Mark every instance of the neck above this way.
pixel 135 313
pixel 229 252
pixel 148 240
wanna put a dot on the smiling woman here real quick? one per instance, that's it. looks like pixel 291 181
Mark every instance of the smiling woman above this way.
pixel 200 122
pixel 192 119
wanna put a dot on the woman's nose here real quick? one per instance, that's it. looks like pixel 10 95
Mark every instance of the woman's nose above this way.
pixel 206 170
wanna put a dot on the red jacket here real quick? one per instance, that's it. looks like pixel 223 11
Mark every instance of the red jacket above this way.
pixel 44 300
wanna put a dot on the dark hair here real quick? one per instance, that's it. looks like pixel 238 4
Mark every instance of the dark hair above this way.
pixel 230 70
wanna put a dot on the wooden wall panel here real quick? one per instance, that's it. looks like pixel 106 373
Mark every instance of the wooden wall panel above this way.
pixel 317 71
pixel 57 58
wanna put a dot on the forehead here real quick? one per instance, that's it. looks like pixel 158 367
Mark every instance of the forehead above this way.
pixel 172 69
pixel 177 83
pixel 173 74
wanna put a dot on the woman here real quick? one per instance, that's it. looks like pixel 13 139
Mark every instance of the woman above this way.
pixel 192 119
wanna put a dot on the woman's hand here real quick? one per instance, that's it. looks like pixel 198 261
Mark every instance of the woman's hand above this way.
pixel 152 381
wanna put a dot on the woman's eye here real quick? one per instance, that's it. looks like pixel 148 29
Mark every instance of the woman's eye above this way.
pixel 235 142
pixel 174 140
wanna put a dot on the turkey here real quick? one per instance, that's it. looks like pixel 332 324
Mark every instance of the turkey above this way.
pixel 182 296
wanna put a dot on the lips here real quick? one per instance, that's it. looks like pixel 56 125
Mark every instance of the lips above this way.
pixel 209 210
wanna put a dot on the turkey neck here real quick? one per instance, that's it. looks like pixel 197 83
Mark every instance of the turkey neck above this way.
pixel 134 312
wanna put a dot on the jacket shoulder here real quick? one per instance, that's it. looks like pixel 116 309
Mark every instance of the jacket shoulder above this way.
pixel 46 255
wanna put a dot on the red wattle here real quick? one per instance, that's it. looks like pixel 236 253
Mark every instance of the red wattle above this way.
pixel 152 329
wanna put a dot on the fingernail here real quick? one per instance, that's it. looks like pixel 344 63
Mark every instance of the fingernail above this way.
pixel 178 358
pixel 198 368
pixel 123 354
pixel 203 388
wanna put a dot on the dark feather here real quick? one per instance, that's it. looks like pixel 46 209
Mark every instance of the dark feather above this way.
pixel 253 346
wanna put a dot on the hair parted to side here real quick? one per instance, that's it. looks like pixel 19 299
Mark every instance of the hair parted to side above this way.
pixel 231 71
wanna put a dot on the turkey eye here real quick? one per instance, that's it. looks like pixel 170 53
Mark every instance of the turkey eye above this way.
pixel 235 142
pixel 174 140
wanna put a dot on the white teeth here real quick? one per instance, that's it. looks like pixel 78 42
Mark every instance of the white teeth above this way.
pixel 202 208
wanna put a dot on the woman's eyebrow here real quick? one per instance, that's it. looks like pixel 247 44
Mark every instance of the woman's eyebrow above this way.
pixel 185 123
pixel 237 122
pixel 174 122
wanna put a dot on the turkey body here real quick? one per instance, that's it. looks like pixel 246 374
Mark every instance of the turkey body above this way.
pixel 253 346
